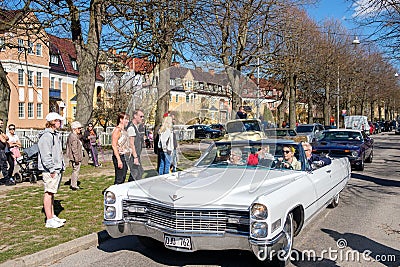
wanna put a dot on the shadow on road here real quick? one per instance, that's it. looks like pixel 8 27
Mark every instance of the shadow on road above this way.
pixel 162 255
pixel 378 181
pixel 387 256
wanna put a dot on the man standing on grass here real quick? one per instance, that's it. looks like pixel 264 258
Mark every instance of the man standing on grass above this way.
pixel 135 144
pixel 51 162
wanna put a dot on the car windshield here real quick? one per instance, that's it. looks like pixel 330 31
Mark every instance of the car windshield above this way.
pixel 304 128
pixel 242 126
pixel 341 136
pixel 245 155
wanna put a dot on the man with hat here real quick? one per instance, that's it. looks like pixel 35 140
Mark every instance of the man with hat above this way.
pixel 51 163
pixel 75 153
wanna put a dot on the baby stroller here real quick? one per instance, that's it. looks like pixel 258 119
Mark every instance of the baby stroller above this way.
pixel 28 164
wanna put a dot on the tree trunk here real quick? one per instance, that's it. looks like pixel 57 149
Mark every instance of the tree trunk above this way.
pixel 87 56
pixel 292 101
pixel 163 86
pixel 4 97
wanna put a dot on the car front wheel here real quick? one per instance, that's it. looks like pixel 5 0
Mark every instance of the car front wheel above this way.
pixel 335 201
pixel 283 256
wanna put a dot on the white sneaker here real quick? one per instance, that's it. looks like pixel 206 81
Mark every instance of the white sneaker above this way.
pixel 51 223
pixel 59 220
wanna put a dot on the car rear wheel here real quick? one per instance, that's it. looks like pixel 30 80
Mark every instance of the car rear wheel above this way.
pixel 208 135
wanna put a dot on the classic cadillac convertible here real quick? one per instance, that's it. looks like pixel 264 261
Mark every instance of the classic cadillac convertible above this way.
pixel 235 197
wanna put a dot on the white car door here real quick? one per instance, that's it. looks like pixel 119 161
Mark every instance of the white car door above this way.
pixel 323 183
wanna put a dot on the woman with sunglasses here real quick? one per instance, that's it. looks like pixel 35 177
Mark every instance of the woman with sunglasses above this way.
pixel 289 161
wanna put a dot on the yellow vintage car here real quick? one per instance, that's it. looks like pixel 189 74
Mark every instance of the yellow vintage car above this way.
pixel 244 129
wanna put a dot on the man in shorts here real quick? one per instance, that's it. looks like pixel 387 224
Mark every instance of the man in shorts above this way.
pixel 51 162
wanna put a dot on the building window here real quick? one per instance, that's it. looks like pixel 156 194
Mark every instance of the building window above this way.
pixel 30 47
pixel 20 45
pixel 39 110
pixel 73 87
pixel 39 95
pixel 21 110
pixel 59 83
pixel 74 112
pixel 170 98
pixel 171 82
pixel 39 49
pixel 187 98
pixel 177 98
pixel 20 77
pixel 30 78
pixel 30 110
pixel 54 59
pixel 52 82
pixel 38 79
pixel 2 44
pixel 74 64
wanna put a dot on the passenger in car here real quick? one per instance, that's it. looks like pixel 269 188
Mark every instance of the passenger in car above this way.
pixel 314 161
pixel 288 161
pixel 236 157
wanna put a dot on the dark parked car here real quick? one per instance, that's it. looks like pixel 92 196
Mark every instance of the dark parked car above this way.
pixel 218 126
pixel 204 131
pixel 354 144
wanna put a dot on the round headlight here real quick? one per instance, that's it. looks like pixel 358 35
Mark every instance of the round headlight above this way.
pixel 259 229
pixel 109 198
pixel 259 211
pixel 354 154
pixel 109 212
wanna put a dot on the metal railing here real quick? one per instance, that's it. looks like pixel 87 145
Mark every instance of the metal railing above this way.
pixel 30 137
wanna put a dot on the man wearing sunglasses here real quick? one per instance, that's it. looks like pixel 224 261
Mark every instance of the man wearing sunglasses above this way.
pixel 314 161
pixel 135 144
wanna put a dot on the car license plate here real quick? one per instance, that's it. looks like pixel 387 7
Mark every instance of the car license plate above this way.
pixel 177 242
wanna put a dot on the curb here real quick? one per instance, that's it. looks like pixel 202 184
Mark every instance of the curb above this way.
pixel 58 252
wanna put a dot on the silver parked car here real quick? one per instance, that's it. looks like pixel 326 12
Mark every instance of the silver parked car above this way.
pixel 312 131
pixel 234 197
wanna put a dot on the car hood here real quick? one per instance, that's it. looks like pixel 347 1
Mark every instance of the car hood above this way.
pixel 211 186
pixel 249 135
pixel 338 145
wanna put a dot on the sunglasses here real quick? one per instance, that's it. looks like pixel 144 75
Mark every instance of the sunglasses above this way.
pixel 142 117
pixel 286 151
pixel 11 129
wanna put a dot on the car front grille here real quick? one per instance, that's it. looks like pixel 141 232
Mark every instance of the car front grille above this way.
pixel 187 220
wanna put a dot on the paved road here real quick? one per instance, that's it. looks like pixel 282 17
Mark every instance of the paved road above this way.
pixel 365 226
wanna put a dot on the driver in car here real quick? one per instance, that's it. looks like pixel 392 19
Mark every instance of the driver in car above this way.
pixel 288 161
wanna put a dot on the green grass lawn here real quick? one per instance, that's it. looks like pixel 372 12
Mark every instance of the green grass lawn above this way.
pixel 22 219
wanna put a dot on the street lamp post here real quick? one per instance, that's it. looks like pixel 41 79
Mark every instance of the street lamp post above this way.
pixel 355 42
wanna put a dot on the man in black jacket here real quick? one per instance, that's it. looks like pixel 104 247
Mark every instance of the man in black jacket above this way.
pixel 314 161
pixel 7 180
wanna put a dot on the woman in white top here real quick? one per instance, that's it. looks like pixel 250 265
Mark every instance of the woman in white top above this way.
pixel 120 146
pixel 14 145
pixel 165 145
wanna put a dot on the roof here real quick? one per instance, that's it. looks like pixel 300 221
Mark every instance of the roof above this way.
pixel 65 49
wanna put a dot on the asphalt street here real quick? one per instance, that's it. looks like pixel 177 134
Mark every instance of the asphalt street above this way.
pixel 364 230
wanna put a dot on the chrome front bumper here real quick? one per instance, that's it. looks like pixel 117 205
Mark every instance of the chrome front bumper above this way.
pixel 200 241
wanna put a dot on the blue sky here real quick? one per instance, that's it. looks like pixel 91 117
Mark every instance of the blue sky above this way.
pixel 339 9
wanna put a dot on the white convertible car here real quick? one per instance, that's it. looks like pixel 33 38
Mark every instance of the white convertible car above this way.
pixel 248 203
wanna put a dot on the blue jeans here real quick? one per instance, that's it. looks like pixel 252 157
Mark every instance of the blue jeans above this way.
pixel 165 163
